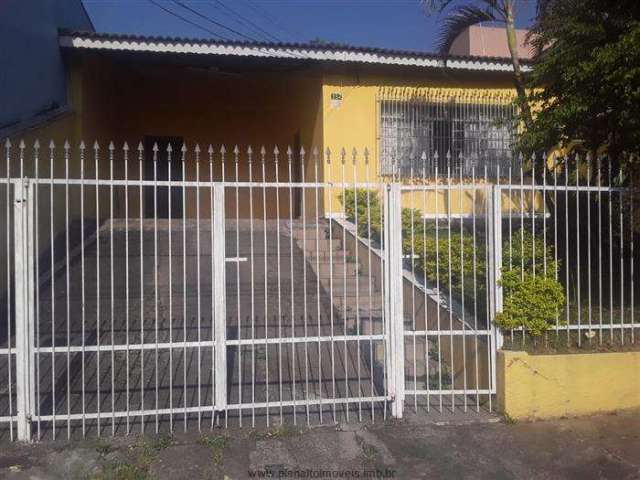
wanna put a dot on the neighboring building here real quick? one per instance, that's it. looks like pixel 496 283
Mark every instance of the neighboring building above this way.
pixel 33 77
pixel 482 41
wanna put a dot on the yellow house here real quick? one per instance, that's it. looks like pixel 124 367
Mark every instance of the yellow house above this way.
pixel 378 111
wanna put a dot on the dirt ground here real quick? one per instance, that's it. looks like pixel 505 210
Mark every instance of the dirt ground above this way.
pixel 598 447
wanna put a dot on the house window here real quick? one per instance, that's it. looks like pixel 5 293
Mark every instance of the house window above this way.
pixel 474 134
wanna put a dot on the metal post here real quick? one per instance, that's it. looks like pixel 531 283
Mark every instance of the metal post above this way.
pixel 24 306
pixel 394 298
pixel 220 313
pixel 494 241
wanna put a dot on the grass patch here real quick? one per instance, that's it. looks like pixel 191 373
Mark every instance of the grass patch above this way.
pixel 217 444
pixel 136 461
pixel 282 431
pixel 369 452
pixel 563 342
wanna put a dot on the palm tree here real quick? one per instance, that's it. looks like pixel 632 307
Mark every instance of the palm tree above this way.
pixel 461 17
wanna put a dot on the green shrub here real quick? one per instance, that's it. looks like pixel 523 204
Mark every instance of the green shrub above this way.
pixel 436 267
pixel 362 207
pixel 530 302
pixel 521 252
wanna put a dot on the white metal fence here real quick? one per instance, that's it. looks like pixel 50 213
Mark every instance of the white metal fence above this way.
pixel 149 290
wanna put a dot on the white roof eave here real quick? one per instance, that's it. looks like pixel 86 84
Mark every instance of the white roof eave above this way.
pixel 332 55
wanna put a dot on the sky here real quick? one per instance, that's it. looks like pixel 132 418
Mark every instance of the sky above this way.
pixel 396 24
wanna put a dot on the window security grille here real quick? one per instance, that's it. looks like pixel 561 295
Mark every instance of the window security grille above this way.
pixel 474 134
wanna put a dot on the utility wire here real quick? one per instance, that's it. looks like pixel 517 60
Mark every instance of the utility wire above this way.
pixel 199 14
pixel 186 20
pixel 294 34
pixel 244 20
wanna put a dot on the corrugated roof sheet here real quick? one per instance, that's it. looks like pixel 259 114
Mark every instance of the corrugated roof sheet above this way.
pixel 329 52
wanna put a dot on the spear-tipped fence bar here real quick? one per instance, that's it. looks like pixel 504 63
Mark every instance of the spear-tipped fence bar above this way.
pixel 164 286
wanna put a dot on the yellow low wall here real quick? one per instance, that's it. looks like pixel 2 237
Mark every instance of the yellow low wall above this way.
pixel 547 386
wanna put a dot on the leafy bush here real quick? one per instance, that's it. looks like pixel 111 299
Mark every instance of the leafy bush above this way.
pixel 361 207
pixel 436 267
pixel 521 253
pixel 530 302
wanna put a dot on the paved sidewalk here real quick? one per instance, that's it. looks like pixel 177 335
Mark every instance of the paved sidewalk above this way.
pixel 606 446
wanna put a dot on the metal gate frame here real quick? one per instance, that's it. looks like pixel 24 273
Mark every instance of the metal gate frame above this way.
pixel 394 333
pixel 395 275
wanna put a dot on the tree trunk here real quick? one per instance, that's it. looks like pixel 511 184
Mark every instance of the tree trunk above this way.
pixel 512 41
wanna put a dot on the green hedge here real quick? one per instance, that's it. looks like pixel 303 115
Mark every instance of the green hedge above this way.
pixel 530 301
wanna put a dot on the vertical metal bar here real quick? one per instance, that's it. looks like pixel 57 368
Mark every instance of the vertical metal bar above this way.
pixel 439 339
pixel 8 279
pixel 589 273
pixel 449 262
pixel 393 230
pixel 304 283
pixel 35 253
pixel 384 269
pixel 314 154
pixel 265 279
pixel 632 260
pixel 600 238
pixel 329 178
pixel 141 225
pixel 215 346
pixel 413 295
pixel 170 233
pixel 82 287
pixel 220 304
pixel 566 241
pixel 533 214
pixel 22 286
pixel 425 300
pixel 354 156
pixel 510 193
pixel 126 278
pixel 475 283
pixel 236 152
pixel 111 293
pixel 198 306
pixel 30 282
pixel 68 284
pixel 155 276
pixel 96 150
pixel 621 247
pixel 370 289
pixel 184 284
pixel 522 252
pixel 495 224
pixel 253 306
pixel 610 191
pixel 578 260
pixel 278 269
pixel 462 260
pixel 53 283
pixel 292 287
pixel 555 232
pixel 343 154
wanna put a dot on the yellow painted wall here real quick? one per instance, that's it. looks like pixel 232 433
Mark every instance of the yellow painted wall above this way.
pixel 547 386
pixel 353 123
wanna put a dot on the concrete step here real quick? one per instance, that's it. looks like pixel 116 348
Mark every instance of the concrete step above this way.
pixel 323 244
pixel 335 269
pixel 310 232
pixel 351 283
pixel 336 256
